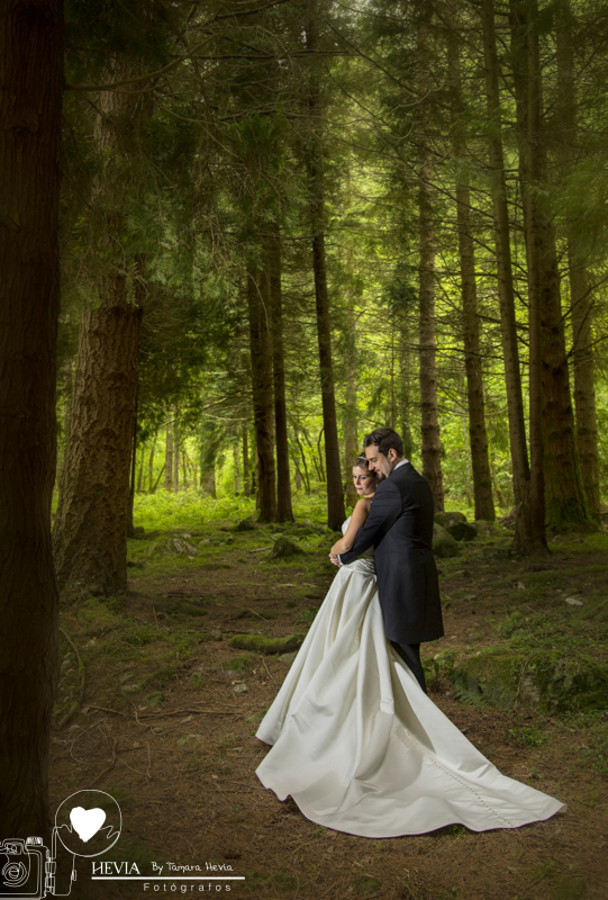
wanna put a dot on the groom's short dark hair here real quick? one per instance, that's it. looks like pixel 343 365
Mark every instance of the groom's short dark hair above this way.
pixel 385 439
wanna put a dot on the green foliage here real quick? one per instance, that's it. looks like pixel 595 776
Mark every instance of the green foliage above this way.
pixel 243 663
pixel 214 150
pixel 166 510
pixel 527 736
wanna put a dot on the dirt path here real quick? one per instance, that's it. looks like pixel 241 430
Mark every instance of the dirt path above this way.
pixel 169 712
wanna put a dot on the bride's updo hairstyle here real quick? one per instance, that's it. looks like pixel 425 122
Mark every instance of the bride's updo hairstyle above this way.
pixel 362 463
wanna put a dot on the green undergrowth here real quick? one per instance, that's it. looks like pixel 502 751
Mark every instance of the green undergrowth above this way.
pixel 543 679
pixel 185 510
pixel 109 657
pixel 536 634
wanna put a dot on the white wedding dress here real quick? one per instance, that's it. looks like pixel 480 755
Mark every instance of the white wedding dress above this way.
pixel 361 748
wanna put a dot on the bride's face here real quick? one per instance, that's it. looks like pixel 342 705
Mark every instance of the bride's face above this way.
pixel 364 481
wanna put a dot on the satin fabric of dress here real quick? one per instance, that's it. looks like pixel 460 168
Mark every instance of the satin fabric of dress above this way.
pixel 360 747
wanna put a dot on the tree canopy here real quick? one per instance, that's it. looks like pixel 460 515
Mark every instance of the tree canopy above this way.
pixel 332 216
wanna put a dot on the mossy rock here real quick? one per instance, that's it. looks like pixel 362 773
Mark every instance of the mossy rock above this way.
pixel 307 528
pixel 173 545
pixel 491 676
pixel 550 681
pixel 266 645
pixel 284 548
pixel 489 529
pixel 445 519
pixel 444 545
pixel 248 524
pixel 567 682
pixel 462 531
pixel 456 524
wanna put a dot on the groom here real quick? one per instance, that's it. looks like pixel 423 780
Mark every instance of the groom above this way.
pixel 400 527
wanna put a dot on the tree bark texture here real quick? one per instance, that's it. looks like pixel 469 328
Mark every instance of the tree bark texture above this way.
pixel 431 443
pixel 91 521
pixel 581 297
pixel 478 438
pixel 31 75
pixel 527 539
pixel 315 173
pixel 262 392
pixel 90 532
pixel 554 465
pixel 275 306
pixel 247 490
pixel 352 446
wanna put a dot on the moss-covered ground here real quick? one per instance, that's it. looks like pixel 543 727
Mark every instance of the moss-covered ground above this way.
pixel 161 692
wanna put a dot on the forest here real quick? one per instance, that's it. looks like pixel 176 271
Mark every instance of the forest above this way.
pixel 236 236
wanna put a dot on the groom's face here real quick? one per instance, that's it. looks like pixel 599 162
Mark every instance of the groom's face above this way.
pixel 377 461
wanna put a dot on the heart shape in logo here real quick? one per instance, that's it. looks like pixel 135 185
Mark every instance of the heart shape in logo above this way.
pixel 87 822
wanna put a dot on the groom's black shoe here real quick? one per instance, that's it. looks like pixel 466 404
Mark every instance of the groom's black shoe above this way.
pixel 410 654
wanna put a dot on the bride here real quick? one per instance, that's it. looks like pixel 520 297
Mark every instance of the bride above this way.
pixel 355 740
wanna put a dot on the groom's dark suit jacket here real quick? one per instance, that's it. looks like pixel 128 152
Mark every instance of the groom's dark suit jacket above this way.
pixel 400 527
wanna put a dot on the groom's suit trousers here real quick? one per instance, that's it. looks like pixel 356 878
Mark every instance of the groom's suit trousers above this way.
pixel 410 654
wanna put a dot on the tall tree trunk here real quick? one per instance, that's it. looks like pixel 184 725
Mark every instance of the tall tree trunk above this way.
pixel 207 456
pixel 350 419
pixel 314 167
pixel 31 75
pixel 478 438
pixel 91 523
pixel 431 442
pixel 529 532
pixel 275 305
pixel 151 479
pixel 176 450
pixel 555 469
pixel 169 449
pixel 352 446
pixel 246 466
pixel 263 402
pixel 90 533
pixel 403 299
pixel 133 478
pixel 581 298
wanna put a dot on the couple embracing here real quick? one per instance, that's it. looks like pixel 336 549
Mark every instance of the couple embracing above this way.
pixel 356 741
pixel 395 516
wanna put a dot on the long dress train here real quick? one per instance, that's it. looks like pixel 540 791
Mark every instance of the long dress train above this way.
pixel 362 749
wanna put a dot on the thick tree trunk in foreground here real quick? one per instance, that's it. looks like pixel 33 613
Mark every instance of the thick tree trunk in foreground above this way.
pixel 91 523
pixel 31 75
pixel 91 526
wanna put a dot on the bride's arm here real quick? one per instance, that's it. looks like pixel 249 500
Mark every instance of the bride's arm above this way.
pixel 360 514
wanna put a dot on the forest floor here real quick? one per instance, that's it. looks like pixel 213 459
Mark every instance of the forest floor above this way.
pixel 157 709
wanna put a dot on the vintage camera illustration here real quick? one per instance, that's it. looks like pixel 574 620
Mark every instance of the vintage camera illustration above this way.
pixel 29 869
pixel 87 824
